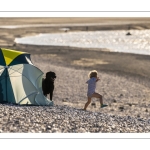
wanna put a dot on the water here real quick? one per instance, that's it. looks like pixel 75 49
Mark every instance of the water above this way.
pixel 118 41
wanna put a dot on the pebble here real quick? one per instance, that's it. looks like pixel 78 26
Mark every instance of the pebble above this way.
pixel 65 119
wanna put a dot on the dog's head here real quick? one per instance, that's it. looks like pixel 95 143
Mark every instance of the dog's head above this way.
pixel 51 76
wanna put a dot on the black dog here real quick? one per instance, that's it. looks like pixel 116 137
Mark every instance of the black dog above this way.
pixel 48 84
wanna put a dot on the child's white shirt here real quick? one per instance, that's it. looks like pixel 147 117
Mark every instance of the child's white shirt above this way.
pixel 91 86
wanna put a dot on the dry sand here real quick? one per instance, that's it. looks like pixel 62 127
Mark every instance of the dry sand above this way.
pixel 124 77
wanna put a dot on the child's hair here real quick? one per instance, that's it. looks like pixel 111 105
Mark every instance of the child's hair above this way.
pixel 92 73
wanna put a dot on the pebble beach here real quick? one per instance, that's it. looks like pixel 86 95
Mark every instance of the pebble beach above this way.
pixel 65 119
pixel 125 88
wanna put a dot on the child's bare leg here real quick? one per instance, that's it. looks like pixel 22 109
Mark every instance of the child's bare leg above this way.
pixel 87 103
pixel 97 95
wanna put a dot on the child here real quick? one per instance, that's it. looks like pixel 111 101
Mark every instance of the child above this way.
pixel 91 89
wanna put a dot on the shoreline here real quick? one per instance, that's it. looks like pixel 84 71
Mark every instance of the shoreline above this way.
pixel 112 41
pixel 124 64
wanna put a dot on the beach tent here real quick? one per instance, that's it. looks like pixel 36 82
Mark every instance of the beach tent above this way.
pixel 20 80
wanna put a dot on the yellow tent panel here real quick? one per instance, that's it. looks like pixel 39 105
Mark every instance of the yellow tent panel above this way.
pixel 10 55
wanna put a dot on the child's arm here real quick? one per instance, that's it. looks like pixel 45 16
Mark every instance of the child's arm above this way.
pixel 97 79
